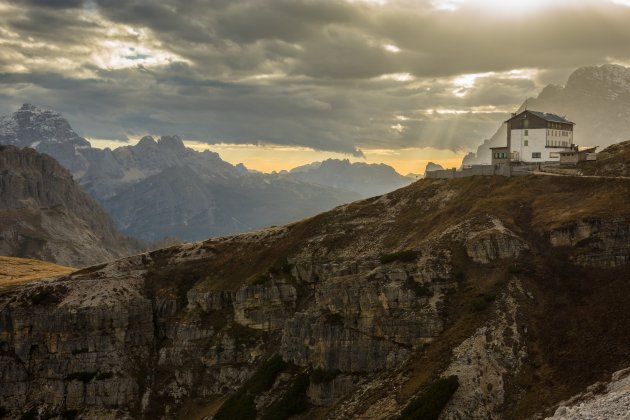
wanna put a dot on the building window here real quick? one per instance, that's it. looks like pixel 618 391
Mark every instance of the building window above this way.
pixel 536 155
pixel 526 142
pixel 527 132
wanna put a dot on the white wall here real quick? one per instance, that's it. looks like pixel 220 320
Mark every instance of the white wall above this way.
pixel 536 143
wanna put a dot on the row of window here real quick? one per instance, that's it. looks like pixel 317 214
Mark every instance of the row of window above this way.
pixel 557 133
pixel 500 155
pixel 558 143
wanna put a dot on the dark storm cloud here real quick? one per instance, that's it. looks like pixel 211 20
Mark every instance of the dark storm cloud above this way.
pixel 328 74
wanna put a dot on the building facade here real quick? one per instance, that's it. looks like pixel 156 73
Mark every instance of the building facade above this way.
pixel 535 137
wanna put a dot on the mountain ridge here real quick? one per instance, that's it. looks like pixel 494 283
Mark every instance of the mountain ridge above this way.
pixel 228 198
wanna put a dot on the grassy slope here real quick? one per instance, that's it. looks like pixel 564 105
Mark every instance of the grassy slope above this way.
pixel 15 271
pixel 612 161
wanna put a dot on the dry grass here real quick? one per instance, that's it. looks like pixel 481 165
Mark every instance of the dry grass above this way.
pixel 14 271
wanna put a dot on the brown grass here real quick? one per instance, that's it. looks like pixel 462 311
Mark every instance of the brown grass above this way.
pixel 14 271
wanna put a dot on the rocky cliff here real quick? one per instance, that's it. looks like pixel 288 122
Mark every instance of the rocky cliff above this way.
pixel 512 290
pixel 45 215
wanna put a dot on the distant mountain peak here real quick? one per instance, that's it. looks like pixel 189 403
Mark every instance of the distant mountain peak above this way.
pixel 171 142
pixel 146 141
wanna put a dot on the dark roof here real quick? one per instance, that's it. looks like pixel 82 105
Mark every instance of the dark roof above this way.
pixel 545 116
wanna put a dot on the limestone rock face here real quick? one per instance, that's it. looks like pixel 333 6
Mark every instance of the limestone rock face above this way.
pixel 45 215
pixel 371 302
pixel 599 243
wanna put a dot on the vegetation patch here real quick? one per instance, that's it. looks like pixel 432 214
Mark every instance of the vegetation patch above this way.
pixel 333 319
pixel 319 376
pixel 403 256
pixel 260 279
pixel 430 404
pixel 241 405
pixel 80 351
pixel 84 377
pixel 48 295
pixel 483 301
pixel 294 401
pixel 30 415
pixel 101 376
pixel 421 290
pixel 69 414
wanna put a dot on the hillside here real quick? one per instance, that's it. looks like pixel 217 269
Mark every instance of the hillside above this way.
pixel 597 99
pixel 46 216
pixel 517 287
pixel 14 271
pixel 612 161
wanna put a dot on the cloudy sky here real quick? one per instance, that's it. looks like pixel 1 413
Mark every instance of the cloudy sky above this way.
pixel 276 83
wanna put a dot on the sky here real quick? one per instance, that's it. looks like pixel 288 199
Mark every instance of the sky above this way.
pixel 280 83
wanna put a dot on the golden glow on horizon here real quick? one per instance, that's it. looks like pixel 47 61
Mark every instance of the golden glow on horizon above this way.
pixel 269 158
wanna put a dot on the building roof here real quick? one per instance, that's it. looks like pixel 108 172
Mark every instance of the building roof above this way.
pixel 545 116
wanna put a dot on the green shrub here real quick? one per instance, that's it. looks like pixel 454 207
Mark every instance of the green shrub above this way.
pixel 403 256
pixel 261 279
pixel 294 401
pixel 515 270
pixel 241 405
pixel 430 404
pixel 30 415
pixel 69 414
pixel 333 319
pixel 80 351
pixel 420 289
pixel 84 377
pixel 319 376
pixel 482 302
pixel 101 376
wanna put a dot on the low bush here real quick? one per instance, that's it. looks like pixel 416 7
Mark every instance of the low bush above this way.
pixel 294 401
pixel 403 256
pixel 420 290
pixel 241 405
pixel 84 377
pixel 482 302
pixel 319 376
pixel 261 279
pixel 430 404
pixel 101 376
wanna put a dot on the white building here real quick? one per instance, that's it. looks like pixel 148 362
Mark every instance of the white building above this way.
pixel 535 137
